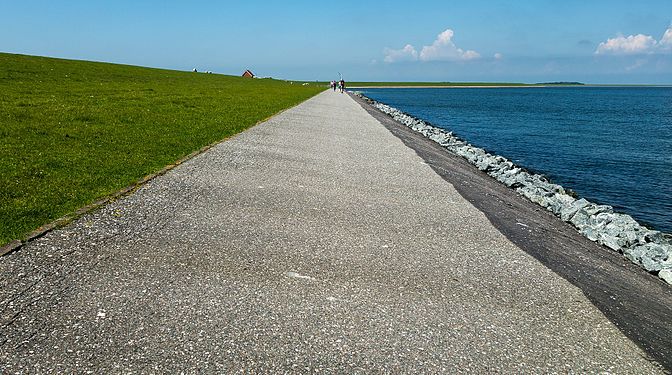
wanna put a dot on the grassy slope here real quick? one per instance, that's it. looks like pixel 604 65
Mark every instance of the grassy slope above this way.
pixel 74 131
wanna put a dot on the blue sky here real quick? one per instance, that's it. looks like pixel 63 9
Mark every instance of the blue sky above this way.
pixel 591 41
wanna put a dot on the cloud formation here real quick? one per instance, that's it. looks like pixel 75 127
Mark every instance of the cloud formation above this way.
pixel 666 41
pixel 442 49
pixel 630 45
pixel 639 44
pixel 408 53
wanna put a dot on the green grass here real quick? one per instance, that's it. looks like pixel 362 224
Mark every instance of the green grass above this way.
pixel 72 132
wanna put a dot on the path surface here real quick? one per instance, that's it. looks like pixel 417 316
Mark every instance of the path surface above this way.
pixel 314 241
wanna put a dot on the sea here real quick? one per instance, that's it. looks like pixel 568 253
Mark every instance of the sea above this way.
pixel 610 145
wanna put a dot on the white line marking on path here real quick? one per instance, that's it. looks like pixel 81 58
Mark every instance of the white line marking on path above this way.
pixel 297 275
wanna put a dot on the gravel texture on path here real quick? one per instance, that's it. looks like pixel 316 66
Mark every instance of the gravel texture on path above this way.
pixel 316 241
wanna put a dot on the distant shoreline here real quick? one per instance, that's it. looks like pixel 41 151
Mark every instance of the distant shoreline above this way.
pixel 439 86
pixel 442 86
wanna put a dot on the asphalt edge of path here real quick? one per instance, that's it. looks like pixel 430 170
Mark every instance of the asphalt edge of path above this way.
pixel 17 244
pixel 638 303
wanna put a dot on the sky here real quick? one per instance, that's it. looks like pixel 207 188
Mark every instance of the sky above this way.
pixel 591 41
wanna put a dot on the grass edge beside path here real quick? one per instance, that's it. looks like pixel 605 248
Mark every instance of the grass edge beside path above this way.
pixel 76 134
pixel 72 216
pixel 60 222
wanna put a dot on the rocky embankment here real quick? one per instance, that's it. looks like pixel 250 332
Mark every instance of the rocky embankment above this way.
pixel 650 249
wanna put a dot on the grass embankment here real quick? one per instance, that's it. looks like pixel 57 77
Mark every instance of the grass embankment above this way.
pixel 72 132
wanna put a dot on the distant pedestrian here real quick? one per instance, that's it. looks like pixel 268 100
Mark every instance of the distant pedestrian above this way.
pixel 341 84
pixel 333 85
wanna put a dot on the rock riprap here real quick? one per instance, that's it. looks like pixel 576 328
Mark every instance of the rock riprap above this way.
pixel 650 249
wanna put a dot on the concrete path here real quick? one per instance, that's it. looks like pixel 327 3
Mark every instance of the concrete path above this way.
pixel 316 241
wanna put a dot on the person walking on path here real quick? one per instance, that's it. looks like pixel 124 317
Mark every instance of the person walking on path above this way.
pixel 341 84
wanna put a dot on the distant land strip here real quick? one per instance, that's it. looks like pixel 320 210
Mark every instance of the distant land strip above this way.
pixel 458 84
pixel 358 85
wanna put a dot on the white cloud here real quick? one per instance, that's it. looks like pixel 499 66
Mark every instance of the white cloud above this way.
pixel 408 53
pixel 666 41
pixel 639 44
pixel 631 45
pixel 443 49
pixel 498 56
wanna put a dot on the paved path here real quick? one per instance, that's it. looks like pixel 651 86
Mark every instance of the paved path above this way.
pixel 314 241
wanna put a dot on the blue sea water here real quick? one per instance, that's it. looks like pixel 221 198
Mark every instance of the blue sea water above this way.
pixel 611 145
